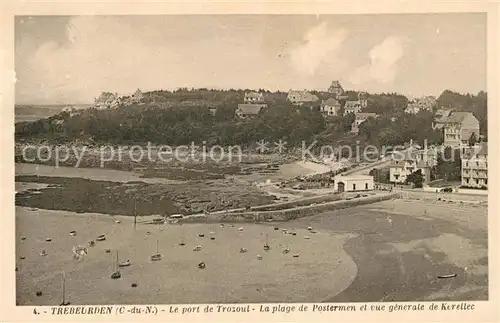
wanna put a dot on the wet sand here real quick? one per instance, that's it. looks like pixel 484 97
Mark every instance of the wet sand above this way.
pixel 400 251
pixel 230 276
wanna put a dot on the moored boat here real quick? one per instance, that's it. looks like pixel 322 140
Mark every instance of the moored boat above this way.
pixel 102 237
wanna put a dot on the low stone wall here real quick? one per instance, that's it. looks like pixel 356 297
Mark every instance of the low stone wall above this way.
pixel 289 214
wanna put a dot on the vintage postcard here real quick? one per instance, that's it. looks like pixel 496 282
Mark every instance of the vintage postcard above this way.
pixel 239 162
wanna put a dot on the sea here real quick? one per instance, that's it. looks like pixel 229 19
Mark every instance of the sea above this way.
pixel 30 113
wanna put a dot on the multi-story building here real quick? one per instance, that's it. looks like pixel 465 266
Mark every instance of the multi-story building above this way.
pixel 254 98
pixel 336 89
pixel 458 129
pixel 301 97
pixel 330 107
pixel 425 103
pixel 353 107
pixel 475 167
pixel 409 161
pixel 440 118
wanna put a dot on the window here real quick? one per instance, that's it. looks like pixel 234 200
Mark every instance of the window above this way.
pixel 467 180
pixel 486 182
pixel 366 186
pixel 353 187
pixel 477 181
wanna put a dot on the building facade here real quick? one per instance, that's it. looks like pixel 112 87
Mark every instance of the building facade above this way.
pixel 330 107
pixel 336 89
pixel 407 162
pixel 458 129
pixel 475 168
pixel 301 97
pixel 353 183
pixel 254 98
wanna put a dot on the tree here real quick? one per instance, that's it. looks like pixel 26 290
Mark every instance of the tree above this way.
pixel 472 140
pixel 417 178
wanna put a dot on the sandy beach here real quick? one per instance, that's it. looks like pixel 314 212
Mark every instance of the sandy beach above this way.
pixel 230 276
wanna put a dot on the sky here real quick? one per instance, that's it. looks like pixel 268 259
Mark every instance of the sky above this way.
pixel 71 59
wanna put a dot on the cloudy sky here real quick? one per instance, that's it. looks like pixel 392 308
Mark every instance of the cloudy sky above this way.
pixel 71 59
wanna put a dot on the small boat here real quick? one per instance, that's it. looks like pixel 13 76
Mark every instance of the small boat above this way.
pixel 157 256
pixel 23 238
pixel 48 239
pixel 72 233
pixel 182 244
pixel 243 250
pixel 102 237
pixel 222 225
pixel 107 250
pixel 309 228
pixel 313 231
pixel 266 246
pixel 212 238
pixel 259 257
pixel 286 251
pixel 117 221
pixel 158 220
pixel 296 255
pixel 447 276
pixel 116 274
pixel 125 263
pixel 240 229
pixel 197 248
pixel 91 243
pixel 202 265
pixel 306 237
pixel 64 302
pixel 276 228
pixel 201 235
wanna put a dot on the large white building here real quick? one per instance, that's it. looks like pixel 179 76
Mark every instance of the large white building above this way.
pixel 353 183
pixel 475 167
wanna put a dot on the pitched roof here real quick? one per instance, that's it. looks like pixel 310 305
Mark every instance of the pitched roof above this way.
pixel 457 117
pixel 303 96
pixel 331 102
pixel 250 108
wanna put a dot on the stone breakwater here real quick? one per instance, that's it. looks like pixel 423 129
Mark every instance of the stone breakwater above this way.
pixel 287 214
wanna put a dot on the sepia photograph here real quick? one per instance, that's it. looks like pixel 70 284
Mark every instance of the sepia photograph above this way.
pixel 251 159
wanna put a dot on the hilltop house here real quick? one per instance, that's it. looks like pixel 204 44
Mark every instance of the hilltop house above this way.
pixel 425 103
pixel 330 107
pixel 458 128
pixel 137 96
pixel 106 100
pixel 249 110
pixel 336 89
pixel 352 107
pixel 475 167
pixel 359 119
pixel 356 106
pixel 301 97
pixel 409 161
pixel 253 97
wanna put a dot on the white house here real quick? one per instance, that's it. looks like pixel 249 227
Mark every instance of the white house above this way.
pixel 330 107
pixel 353 183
